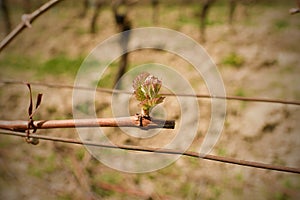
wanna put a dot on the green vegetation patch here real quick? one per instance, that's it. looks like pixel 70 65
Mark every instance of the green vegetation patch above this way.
pixel 240 92
pixel 46 165
pixel 110 177
pixel 59 65
pixel 281 24
pixel 233 59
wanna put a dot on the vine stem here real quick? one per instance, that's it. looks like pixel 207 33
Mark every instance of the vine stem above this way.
pixel 132 121
pixel 26 21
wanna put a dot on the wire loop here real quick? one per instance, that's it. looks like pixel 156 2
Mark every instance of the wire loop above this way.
pixel 31 113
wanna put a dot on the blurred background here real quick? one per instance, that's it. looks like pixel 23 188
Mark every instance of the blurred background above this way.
pixel 255 45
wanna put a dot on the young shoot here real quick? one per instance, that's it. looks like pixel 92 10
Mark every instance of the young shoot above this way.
pixel 146 88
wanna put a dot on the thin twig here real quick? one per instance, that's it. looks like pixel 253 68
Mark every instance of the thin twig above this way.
pixel 162 151
pixel 27 19
pixel 110 91
pixel 133 121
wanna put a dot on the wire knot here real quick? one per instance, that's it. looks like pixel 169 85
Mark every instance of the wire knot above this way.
pixel 29 139
pixel 141 117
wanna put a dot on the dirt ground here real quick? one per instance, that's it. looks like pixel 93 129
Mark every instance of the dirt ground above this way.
pixel 258 56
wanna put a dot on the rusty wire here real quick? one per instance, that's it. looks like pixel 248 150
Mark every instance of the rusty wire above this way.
pixel 160 151
pixel 111 91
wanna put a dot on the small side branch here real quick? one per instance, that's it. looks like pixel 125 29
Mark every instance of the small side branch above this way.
pixel 133 121
pixel 26 21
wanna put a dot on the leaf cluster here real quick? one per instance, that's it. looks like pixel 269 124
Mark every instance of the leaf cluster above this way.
pixel 146 89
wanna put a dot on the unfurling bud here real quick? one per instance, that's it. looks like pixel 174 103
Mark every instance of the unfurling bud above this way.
pixel 146 88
